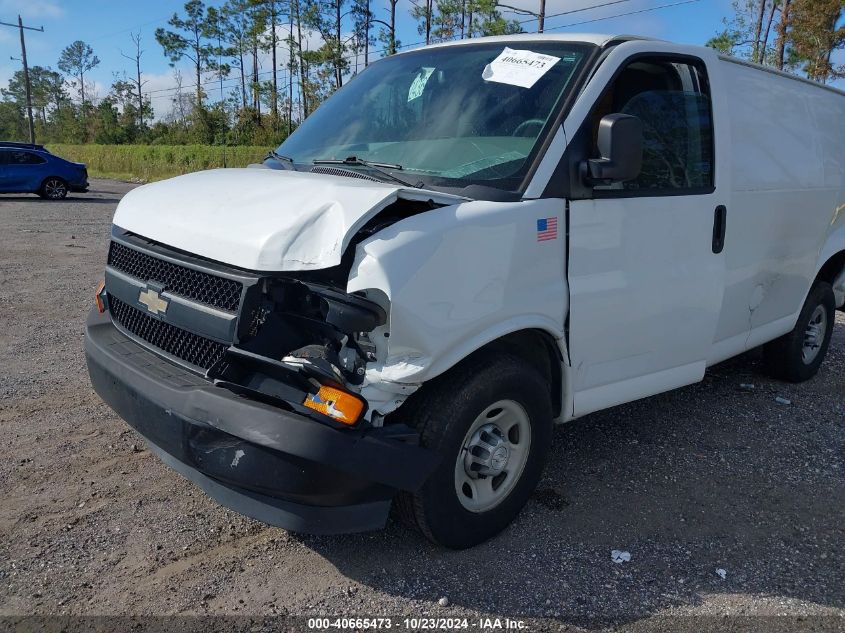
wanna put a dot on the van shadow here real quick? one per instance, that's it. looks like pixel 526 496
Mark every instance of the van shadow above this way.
pixel 713 476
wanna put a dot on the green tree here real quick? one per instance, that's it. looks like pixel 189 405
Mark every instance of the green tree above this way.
pixel 296 13
pixel 47 87
pixel 68 125
pixel 448 20
pixel 783 34
pixel 725 42
pixel 273 12
pixel 237 26
pixel 423 12
pixel 76 60
pixel 488 20
pixel 387 34
pixel 743 30
pixel 816 34
pixel 106 124
pixel 12 122
pixel 362 20
pixel 807 33
pixel 190 41
pixel 130 118
pixel 325 17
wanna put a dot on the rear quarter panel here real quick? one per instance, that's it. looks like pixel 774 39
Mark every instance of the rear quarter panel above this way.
pixel 787 184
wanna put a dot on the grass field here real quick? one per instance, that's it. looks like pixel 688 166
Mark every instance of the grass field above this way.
pixel 155 162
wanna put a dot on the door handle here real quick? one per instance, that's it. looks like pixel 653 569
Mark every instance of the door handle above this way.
pixel 720 224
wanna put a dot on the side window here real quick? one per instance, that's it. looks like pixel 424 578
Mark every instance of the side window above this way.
pixel 4 157
pixel 25 158
pixel 672 99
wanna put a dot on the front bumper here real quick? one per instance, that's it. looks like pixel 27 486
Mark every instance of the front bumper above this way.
pixel 262 461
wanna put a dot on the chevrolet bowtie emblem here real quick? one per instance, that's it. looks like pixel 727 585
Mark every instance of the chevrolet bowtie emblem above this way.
pixel 153 301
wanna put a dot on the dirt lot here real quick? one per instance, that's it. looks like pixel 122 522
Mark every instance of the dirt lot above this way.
pixel 709 477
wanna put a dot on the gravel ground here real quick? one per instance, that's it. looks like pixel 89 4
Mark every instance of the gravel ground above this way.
pixel 707 477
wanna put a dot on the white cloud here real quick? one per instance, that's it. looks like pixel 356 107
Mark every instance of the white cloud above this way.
pixel 156 83
pixel 32 9
pixel 6 73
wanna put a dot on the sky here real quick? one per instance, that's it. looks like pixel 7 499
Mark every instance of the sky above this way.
pixel 107 24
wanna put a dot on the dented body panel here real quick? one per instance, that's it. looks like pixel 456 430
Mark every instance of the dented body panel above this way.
pixel 261 219
pixel 455 279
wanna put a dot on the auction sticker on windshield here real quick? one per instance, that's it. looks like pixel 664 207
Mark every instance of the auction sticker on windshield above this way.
pixel 518 68
pixel 417 87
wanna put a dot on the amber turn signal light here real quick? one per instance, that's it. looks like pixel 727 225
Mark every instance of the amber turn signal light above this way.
pixel 336 404
pixel 98 297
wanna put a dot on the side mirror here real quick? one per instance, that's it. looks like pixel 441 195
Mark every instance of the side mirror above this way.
pixel 620 143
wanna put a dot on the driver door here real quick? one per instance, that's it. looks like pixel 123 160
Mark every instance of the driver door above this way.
pixel 645 271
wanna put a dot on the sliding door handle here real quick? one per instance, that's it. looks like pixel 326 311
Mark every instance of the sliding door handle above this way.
pixel 720 224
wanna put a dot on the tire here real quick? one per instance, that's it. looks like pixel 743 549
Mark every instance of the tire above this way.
pixel 53 188
pixel 444 412
pixel 797 356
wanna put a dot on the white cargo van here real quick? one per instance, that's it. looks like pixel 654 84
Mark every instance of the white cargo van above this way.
pixel 465 244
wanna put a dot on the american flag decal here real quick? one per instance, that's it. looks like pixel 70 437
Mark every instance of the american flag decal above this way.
pixel 546 229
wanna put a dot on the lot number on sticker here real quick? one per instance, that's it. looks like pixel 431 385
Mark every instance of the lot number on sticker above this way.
pixel 518 68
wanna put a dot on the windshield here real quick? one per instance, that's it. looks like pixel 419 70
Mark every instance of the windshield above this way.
pixel 450 117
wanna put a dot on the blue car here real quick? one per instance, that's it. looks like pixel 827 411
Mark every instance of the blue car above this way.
pixel 27 168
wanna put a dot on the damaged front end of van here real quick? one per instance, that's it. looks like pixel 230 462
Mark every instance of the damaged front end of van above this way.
pixel 256 384
pixel 264 328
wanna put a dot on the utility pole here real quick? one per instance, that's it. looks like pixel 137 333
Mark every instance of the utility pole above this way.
pixel 21 28
pixel 540 15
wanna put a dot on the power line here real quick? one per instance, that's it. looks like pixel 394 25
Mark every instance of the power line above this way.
pixel 581 10
pixel 127 30
pixel 622 15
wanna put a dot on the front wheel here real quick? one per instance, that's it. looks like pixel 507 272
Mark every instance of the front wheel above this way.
pixel 53 189
pixel 797 356
pixel 490 420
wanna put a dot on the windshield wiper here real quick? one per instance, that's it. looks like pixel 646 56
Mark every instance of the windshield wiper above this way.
pixel 282 159
pixel 354 161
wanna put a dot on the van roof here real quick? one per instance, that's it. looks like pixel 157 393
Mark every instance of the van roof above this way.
pixel 603 39
pixel 599 39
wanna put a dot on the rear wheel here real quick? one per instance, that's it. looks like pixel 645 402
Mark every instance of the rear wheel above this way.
pixel 797 356
pixel 490 420
pixel 53 188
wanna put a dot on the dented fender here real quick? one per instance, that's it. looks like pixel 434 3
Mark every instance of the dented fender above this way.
pixel 508 281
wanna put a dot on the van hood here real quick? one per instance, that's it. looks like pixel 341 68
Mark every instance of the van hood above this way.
pixel 261 219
